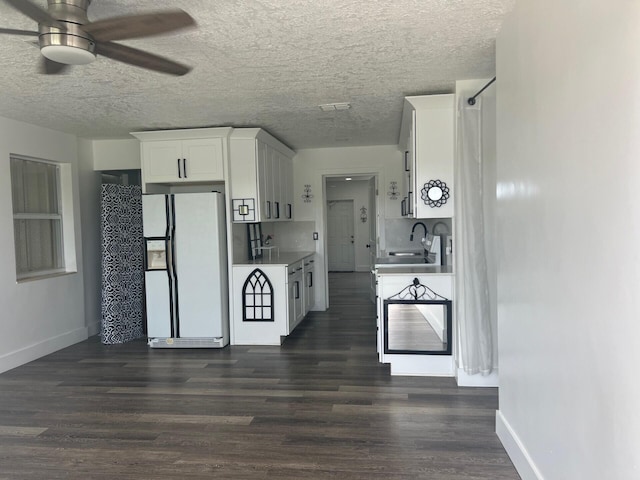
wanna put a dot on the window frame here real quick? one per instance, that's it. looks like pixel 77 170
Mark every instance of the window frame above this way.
pixel 64 244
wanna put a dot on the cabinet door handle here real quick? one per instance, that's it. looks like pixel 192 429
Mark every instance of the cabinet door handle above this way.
pixel 289 210
pixel 310 279
pixel 406 158
pixel 297 286
pixel 184 167
pixel 409 204
pixel 268 208
pixel 179 171
pixel 403 207
pixel 277 215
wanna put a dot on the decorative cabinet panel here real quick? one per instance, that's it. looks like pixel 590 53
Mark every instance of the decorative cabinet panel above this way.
pixel 183 156
pixel 261 175
pixel 427 139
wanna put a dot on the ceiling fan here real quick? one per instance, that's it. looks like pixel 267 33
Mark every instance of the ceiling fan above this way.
pixel 67 37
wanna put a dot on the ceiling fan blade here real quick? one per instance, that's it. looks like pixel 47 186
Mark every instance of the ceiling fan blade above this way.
pixel 13 31
pixel 138 58
pixel 49 67
pixel 136 26
pixel 34 12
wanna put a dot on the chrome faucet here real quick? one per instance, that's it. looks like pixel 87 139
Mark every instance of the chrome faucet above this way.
pixel 413 229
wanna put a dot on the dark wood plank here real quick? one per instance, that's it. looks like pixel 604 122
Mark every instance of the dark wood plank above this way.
pixel 318 407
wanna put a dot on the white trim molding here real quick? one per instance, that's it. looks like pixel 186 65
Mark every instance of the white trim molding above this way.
pixel 516 450
pixel 37 350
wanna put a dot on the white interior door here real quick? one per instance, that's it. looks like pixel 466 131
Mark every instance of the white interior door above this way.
pixel 340 236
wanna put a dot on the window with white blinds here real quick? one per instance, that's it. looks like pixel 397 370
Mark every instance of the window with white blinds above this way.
pixel 37 217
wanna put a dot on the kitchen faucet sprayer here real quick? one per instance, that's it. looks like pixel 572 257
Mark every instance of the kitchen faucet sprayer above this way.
pixel 413 229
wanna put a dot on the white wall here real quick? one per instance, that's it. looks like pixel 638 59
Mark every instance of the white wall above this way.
pixel 569 229
pixel 358 191
pixel 38 316
pixel 116 154
pixel 89 186
pixel 309 167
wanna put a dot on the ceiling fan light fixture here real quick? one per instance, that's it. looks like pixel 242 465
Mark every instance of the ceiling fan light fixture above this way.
pixel 67 54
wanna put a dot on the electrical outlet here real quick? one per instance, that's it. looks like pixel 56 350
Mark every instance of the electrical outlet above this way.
pixel 315 235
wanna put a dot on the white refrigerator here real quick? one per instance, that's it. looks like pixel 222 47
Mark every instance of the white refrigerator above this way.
pixel 186 284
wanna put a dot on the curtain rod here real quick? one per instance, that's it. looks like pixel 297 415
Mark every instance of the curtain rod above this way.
pixel 472 100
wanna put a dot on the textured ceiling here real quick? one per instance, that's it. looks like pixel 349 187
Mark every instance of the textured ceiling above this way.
pixel 266 63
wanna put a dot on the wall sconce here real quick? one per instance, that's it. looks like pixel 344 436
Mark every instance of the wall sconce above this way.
pixel 363 214
pixel 393 191
pixel 307 194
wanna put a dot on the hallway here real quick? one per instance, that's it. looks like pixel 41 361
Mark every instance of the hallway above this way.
pixel 318 407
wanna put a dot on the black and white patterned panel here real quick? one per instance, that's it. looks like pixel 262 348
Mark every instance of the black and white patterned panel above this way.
pixel 122 264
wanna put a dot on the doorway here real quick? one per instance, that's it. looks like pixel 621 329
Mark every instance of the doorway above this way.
pixel 340 236
pixel 350 224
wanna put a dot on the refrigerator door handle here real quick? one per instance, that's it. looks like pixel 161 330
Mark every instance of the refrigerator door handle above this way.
pixel 175 328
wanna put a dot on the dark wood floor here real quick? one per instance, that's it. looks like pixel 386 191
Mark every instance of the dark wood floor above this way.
pixel 319 407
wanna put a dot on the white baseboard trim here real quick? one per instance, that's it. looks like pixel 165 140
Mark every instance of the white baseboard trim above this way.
pixel 420 365
pixel 477 380
pixel 516 450
pixel 40 349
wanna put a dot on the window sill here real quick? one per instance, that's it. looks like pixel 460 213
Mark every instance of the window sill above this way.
pixel 43 276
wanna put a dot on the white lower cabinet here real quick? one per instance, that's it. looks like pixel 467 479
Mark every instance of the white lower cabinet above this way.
pixel 296 295
pixel 270 300
pixel 260 311
pixel 309 270
pixel 400 286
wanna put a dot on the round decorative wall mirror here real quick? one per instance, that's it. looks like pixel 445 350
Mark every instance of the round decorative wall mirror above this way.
pixel 435 193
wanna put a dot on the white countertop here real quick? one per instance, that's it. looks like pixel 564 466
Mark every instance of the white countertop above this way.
pixel 281 258
pixel 413 269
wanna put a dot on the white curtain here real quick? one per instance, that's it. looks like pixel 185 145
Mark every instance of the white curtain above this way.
pixel 473 312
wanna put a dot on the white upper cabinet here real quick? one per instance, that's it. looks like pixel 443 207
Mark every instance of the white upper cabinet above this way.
pixel 183 156
pixel 260 176
pixel 427 139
